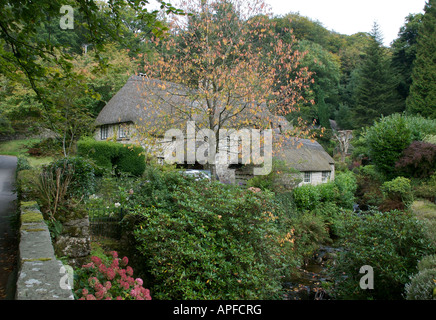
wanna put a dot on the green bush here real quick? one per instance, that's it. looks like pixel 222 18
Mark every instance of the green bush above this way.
pixel 427 189
pixel 310 232
pixel 398 189
pixel 109 155
pixel 346 184
pixel 328 191
pixel 22 164
pixel 83 180
pixel 422 286
pixel 207 240
pixel 386 140
pixel 420 127
pixel 427 262
pixel 368 191
pixel 391 243
pixel 306 197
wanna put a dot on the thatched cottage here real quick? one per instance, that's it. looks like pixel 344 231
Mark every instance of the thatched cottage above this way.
pixel 145 108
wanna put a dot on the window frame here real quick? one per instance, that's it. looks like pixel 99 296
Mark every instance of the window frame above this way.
pixel 325 176
pixel 104 132
pixel 123 132
pixel 309 174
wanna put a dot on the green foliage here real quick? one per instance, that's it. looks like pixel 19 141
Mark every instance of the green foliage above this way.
pixel 340 191
pixel 420 127
pixel 369 182
pixel 207 240
pixel 306 197
pixel 386 140
pixel 346 184
pixel 422 98
pixel 422 286
pixel 82 175
pixel 282 178
pixel 398 189
pixel 375 92
pixel 309 232
pixel 404 53
pixel 430 139
pixel 427 262
pixel 110 155
pixel 22 164
pixel 391 243
pixel 427 189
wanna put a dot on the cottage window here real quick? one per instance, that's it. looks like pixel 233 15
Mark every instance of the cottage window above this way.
pixel 123 132
pixel 104 130
pixel 325 176
pixel 307 177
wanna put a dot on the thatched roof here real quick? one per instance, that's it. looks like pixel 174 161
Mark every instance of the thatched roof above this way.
pixel 142 99
pixel 157 105
pixel 162 105
pixel 304 155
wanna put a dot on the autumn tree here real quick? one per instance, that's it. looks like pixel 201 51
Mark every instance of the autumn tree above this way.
pixel 231 79
pixel 35 53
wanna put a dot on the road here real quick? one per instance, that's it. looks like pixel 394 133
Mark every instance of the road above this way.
pixel 8 234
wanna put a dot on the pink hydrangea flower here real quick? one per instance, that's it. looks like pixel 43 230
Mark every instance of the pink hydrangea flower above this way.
pixel 129 271
pixel 139 281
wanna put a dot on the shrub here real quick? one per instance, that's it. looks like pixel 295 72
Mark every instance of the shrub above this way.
pixel 347 186
pixel 386 140
pixel 420 127
pixel 422 286
pixel 398 189
pixel 328 191
pixel 430 138
pixel 427 190
pixel 306 197
pixel 207 240
pixel 98 280
pixel 368 191
pixel 81 170
pixel 108 155
pixel 22 164
pixel 427 262
pixel 418 160
pixel 310 233
pixel 391 243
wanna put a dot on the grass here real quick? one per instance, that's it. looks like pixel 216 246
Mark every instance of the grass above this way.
pixel 16 147
pixel 426 211
pixel 19 148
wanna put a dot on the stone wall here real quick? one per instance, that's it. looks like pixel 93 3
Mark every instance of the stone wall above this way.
pixel 41 276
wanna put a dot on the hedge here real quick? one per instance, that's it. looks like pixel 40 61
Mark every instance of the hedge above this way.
pixel 110 155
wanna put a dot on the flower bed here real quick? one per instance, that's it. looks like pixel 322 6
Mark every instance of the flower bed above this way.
pixel 107 280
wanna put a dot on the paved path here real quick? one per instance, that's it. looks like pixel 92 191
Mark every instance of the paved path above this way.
pixel 8 237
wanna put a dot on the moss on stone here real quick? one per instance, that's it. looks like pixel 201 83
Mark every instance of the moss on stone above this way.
pixel 36 259
pixel 31 216
pixel 29 204
pixel 29 229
